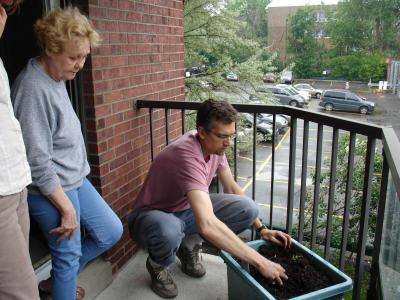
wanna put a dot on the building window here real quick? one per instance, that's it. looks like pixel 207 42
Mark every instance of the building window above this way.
pixel 321 16
pixel 320 34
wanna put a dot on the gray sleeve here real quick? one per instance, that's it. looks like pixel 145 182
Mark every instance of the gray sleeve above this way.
pixel 36 116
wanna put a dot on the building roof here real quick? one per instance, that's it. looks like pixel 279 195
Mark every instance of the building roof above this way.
pixel 286 3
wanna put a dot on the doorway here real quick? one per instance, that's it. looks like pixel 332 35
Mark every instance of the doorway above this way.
pixel 17 46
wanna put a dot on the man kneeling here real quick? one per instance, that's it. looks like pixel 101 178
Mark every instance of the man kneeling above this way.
pixel 174 207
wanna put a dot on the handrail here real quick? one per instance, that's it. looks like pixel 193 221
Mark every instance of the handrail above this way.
pixel 376 135
pixel 370 130
pixel 391 145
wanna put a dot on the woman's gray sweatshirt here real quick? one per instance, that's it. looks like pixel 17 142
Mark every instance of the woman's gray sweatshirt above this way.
pixel 51 130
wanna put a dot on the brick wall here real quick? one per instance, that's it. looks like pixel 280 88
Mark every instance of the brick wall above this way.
pixel 141 57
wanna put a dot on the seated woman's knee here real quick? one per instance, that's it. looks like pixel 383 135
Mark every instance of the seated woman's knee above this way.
pixel 113 235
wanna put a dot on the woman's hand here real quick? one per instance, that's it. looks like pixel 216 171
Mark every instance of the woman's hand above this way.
pixel 277 237
pixel 68 224
pixel 68 220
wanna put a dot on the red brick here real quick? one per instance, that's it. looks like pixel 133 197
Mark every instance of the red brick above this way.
pixel 141 57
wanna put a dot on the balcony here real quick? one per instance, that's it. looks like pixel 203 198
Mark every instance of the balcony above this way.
pixel 352 220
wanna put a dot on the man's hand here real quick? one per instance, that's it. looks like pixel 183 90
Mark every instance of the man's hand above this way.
pixel 277 237
pixel 3 19
pixel 274 272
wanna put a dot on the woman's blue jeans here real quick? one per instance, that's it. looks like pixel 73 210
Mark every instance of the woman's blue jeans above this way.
pixel 102 226
pixel 161 233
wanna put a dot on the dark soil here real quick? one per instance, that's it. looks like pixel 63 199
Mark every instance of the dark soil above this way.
pixel 304 277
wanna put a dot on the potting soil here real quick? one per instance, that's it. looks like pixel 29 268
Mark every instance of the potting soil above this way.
pixel 303 276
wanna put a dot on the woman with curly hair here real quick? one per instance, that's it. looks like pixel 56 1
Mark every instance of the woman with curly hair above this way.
pixel 60 197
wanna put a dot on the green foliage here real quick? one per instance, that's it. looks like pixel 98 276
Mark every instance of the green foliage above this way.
pixel 366 25
pixel 253 17
pixel 212 40
pixel 303 46
pixel 359 66
pixel 339 196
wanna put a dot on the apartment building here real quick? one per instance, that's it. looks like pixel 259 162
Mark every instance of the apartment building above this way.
pixel 279 13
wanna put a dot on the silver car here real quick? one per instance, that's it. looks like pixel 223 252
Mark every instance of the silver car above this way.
pixel 306 95
pixel 316 93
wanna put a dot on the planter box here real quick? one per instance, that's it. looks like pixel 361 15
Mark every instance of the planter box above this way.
pixel 241 285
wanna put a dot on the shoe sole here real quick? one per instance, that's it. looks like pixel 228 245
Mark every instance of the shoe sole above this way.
pixel 156 291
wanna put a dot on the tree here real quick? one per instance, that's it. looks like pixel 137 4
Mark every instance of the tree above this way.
pixel 212 43
pixel 359 66
pixel 253 15
pixel 339 196
pixel 303 46
pixel 366 25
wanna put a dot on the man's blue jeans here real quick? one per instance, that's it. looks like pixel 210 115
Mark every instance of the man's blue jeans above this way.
pixel 101 224
pixel 161 233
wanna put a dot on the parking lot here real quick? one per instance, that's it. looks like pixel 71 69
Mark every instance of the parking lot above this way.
pixel 386 114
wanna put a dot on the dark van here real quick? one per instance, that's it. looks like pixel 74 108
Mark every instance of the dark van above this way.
pixel 345 100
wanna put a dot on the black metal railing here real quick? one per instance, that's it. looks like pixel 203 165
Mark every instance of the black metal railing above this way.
pixel 378 139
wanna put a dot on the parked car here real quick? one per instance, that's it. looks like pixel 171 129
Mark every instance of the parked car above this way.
pixel 284 96
pixel 345 100
pixel 262 127
pixel 207 84
pixel 316 93
pixel 280 122
pixel 269 77
pixel 287 77
pixel 230 76
pixel 306 95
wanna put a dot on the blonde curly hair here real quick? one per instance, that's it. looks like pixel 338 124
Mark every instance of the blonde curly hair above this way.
pixel 60 26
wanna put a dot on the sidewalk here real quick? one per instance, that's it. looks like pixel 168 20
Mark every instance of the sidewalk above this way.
pixel 133 281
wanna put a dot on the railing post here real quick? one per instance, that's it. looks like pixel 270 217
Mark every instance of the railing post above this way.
pixel 292 170
pixel 303 188
pixel 332 190
pixel 349 188
pixel 151 133
pixel 271 201
pixel 166 126
pixel 317 185
pixel 374 279
pixel 362 234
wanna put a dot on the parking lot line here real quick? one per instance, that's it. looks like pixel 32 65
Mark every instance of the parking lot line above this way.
pixel 266 161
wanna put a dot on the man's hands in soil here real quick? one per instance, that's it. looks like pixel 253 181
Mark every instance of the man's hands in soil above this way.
pixel 277 237
pixel 273 272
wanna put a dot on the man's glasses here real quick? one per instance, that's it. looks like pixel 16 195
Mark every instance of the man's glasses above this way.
pixel 224 136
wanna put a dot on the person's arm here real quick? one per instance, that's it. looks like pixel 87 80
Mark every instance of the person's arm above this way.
pixel 231 187
pixel 216 232
pixel 37 119
pixel 228 182
pixel 68 221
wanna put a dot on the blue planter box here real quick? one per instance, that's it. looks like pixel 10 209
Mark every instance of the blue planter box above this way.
pixel 241 285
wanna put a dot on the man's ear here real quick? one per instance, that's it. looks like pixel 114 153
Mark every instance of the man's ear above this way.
pixel 202 133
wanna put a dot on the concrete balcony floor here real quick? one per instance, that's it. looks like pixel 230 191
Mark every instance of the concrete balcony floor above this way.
pixel 133 281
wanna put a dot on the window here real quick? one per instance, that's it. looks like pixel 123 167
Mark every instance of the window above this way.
pixel 320 16
pixel 320 33
pixel 338 95
pixel 353 97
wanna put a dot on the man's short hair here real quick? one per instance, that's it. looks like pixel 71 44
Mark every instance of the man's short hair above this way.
pixel 215 111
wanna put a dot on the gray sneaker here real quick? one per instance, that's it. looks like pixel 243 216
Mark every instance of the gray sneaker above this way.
pixel 162 282
pixel 190 261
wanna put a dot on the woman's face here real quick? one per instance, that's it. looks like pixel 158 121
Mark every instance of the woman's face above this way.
pixel 65 65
